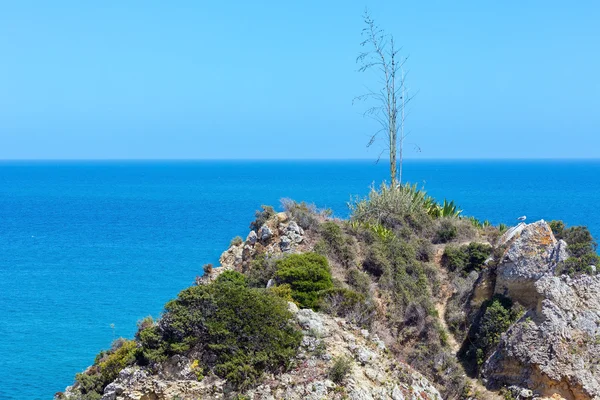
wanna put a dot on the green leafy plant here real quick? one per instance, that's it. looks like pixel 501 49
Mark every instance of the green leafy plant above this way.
pixel 446 232
pixel 244 331
pixel 236 241
pixel 581 247
pixel 340 369
pixel 495 317
pixel 261 216
pixel 466 258
pixel 305 214
pixel 337 243
pixel 308 275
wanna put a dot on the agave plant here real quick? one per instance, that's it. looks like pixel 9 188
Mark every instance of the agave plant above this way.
pixel 449 209
pixel 381 231
pixel 475 222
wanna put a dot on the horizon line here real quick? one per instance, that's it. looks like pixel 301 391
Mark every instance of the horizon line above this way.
pixel 383 160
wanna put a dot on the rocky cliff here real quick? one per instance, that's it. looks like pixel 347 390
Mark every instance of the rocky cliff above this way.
pixel 554 348
pixel 392 280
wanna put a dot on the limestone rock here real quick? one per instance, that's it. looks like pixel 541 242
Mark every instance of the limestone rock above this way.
pixel 265 233
pixel 251 238
pixel 532 252
pixel 554 349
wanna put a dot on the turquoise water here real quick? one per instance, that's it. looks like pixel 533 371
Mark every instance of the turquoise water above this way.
pixel 87 245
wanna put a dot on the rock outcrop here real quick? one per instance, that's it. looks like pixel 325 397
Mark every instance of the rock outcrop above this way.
pixel 374 373
pixel 554 349
pixel 275 238
pixel 531 252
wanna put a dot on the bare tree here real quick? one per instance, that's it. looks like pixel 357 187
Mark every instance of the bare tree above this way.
pixel 391 99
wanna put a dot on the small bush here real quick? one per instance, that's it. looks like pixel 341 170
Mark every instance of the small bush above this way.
pixel 557 228
pixel 579 265
pixel 466 258
pixel 424 249
pixel 455 258
pixel 106 368
pixel 306 215
pixel 495 317
pixel 284 291
pixel 377 262
pixel 261 270
pixel 446 232
pixel 359 280
pixel 338 244
pixel 236 241
pixel 581 247
pixel 393 207
pixel 207 269
pixel 308 275
pixel 261 216
pixel 456 318
pixel 242 331
pixel 341 368
pixel 348 304
pixel 579 241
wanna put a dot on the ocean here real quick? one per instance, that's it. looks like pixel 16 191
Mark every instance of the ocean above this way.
pixel 89 248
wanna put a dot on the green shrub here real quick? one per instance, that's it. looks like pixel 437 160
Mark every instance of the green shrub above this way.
pixel 377 262
pixel 424 249
pixel 446 232
pixel 242 331
pixel 260 271
pixel 306 215
pixel 308 275
pixel 338 244
pixel 466 258
pixel 261 217
pixel 404 277
pixel 455 258
pixel 495 317
pixel 284 291
pixel 359 280
pixel 348 304
pixel 236 241
pixel 579 265
pixel 341 368
pixel 207 269
pixel 557 227
pixel 393 207
pixel 581 247
pixel 106 368
pixel 232 277
pixel 579 241
pixel 456 318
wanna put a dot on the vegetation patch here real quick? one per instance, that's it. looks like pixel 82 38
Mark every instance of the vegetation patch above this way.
pixel 466 258
pixel 106 368
pixel 306 215
pixel 495 317
pixel 261 216
pixel 308 276
pixel 340 369
pixel 581 247
pixel 240 331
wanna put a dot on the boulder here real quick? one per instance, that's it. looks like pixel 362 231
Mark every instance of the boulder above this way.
pixel 251 238
pixel 265 233
pixel 531 252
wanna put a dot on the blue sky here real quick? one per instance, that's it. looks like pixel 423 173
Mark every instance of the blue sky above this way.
pixel 197 79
